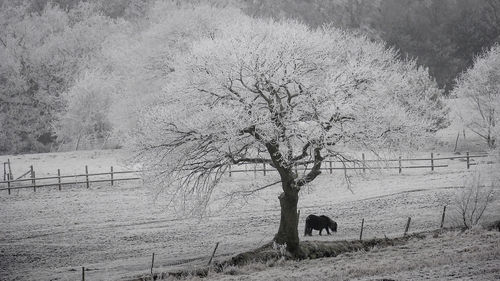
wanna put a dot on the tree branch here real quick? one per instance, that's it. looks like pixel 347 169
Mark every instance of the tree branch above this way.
pixel 250 192
pixel 315 171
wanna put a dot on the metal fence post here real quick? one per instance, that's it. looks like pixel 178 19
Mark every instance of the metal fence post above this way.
pixel 152 263
pixel 361 232
pixel 87 175
pixel 213 253
pixel 442 218
pixel 432 161
pixel 407 226
pixel 364 162
pixel 32 175
pixel 111 175
pixel 400 167
pixel 59 178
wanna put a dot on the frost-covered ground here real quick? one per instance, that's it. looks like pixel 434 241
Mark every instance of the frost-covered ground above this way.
pixel 473 255
pixel 113 231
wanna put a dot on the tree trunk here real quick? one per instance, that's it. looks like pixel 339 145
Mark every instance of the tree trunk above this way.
pixel 288 231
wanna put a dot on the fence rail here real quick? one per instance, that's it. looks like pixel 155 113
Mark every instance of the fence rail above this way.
pixel 11 184
pixel 364 164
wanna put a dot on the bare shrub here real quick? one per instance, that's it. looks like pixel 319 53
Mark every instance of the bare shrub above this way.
pixel 473 199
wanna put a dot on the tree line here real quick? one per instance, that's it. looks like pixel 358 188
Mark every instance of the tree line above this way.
pixel 75 74
pixel 444 35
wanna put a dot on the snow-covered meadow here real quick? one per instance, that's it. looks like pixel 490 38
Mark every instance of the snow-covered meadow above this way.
pixel 472 255
pixel 113 231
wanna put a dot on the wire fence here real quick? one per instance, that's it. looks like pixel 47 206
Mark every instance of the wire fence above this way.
pixel 196 265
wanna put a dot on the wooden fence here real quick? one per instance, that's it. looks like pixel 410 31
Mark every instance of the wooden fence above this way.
pixel 371 164
pixel 330 165
pixel 84 178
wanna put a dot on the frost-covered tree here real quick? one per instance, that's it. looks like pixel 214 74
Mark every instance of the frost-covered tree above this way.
pixel 41 55
pixel 136 61
pixel 281 94
pixel 480 86
pixel 85 119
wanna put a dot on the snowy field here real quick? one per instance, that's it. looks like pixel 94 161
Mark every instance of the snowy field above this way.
pixel 113 231
pixel 472 255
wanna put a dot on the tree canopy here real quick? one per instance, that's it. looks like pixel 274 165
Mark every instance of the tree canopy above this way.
pixel 41 54
pixel 259 91
pixel 443 35
pixel 480 86
pixel 51 49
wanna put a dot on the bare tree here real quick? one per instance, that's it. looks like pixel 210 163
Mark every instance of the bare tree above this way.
pixel 281 94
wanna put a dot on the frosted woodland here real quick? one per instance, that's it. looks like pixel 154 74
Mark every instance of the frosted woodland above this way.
pixel 249 140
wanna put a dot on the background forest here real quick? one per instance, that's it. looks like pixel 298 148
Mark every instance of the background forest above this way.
pixel 75 74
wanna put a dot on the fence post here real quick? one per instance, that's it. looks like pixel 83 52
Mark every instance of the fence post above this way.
pixel 432 161
pixel 407 226
pixel 361 232
pixel 400 167
pixel 34 181
pixel 264 164
pixel 87 176
pixel 32 175
pixel 229 169
pixel 468 160
pixel 364 162
pixel 442 218
pixel 59 178
pixel 330 165
pixel 112 177
pixel 213 253
pixel 152 264
pixel 8 183
pixel 10 170
pixel 4 171
pixel 83 273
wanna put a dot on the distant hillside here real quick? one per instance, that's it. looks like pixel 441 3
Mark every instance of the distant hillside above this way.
pixel 443 35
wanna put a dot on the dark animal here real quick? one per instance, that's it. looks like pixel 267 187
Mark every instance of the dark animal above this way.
pixel 494 225
pixel 319 223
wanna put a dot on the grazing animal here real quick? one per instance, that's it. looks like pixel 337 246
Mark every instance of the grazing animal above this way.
pixel 494 225
pixel 319 223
